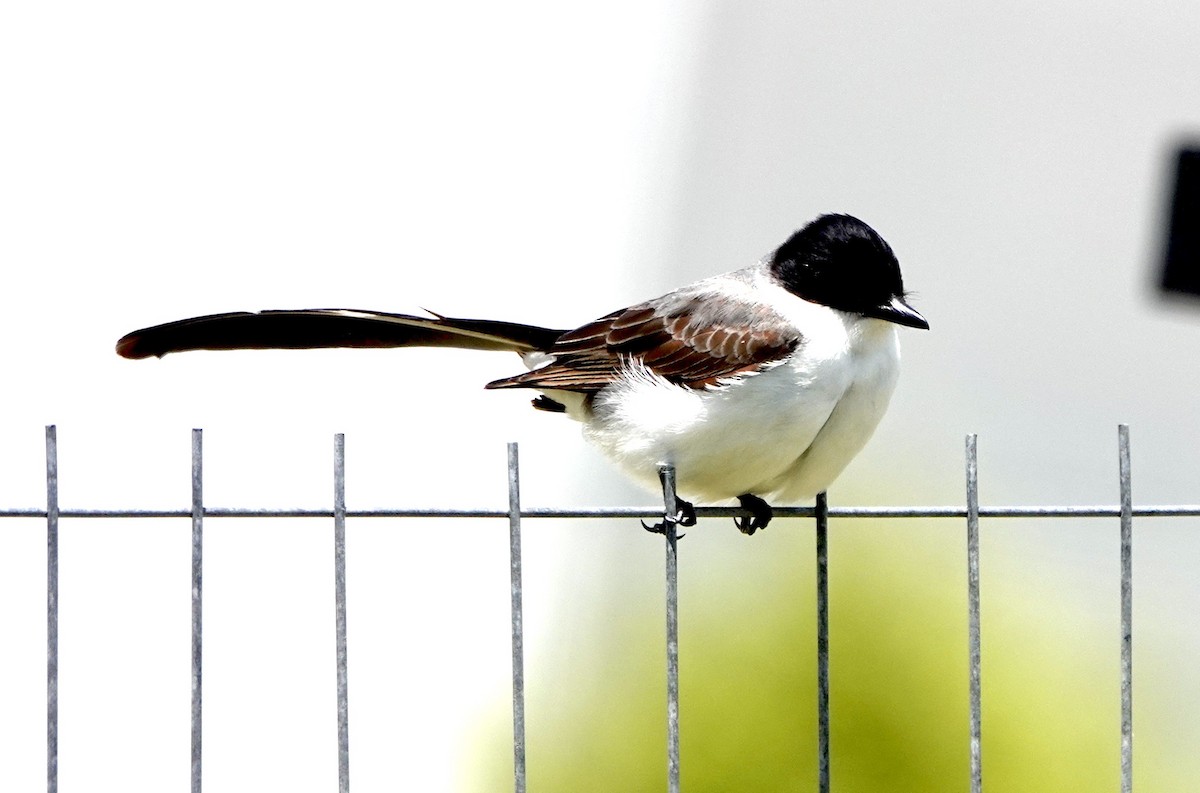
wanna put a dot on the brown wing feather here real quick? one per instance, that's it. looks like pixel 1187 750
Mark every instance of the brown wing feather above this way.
pixel 683 341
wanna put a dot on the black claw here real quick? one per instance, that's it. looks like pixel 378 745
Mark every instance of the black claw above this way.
pixel 661 528
pixel 760 514
pixel 685 515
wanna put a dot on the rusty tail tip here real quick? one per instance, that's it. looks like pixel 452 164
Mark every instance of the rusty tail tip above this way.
pixel 130 346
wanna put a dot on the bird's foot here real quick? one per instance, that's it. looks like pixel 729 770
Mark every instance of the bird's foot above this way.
pixel 685 515
pixel 759 516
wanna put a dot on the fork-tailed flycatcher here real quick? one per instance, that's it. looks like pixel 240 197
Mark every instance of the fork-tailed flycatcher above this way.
pixel 762 382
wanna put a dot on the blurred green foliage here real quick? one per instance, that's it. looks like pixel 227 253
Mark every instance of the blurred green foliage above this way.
pixel 596 697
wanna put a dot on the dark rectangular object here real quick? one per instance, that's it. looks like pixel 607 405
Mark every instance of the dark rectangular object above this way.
pixel 1181 270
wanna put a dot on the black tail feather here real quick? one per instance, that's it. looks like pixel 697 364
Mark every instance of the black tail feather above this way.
pixel 315 328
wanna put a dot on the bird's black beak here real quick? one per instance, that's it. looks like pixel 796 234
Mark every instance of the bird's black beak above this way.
pixel 899 312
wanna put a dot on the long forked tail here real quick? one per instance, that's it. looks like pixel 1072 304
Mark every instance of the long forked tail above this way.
pixel 331 327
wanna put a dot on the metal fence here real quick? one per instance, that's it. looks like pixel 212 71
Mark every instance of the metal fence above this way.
pixel 820 512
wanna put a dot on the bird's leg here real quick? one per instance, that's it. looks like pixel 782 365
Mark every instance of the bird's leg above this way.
pixel 685 515
pixel 760 514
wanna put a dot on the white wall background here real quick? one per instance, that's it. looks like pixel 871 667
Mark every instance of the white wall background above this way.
pixel 545 163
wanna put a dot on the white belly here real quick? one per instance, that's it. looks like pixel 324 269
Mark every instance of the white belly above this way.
pixel 784 433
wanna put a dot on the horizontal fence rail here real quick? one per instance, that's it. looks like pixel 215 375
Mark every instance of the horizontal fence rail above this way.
pixel 1097 511
pixel 821 512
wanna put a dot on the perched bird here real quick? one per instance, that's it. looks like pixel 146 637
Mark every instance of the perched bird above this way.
pixel 759 383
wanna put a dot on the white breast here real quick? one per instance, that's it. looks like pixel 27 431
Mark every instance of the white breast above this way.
pixel 873 367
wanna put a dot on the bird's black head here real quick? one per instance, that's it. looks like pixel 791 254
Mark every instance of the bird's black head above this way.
pixel 840 262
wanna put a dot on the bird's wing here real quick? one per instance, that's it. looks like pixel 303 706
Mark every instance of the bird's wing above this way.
pixel 331 327
pixel 692 338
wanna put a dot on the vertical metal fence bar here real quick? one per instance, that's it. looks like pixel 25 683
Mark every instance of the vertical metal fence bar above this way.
pixel 822 518
pixel 671 510
pixel 197 598
pixel 518 628
pixel 1126 610
pixel 339 609
pixel 973 635
pixel 52 609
